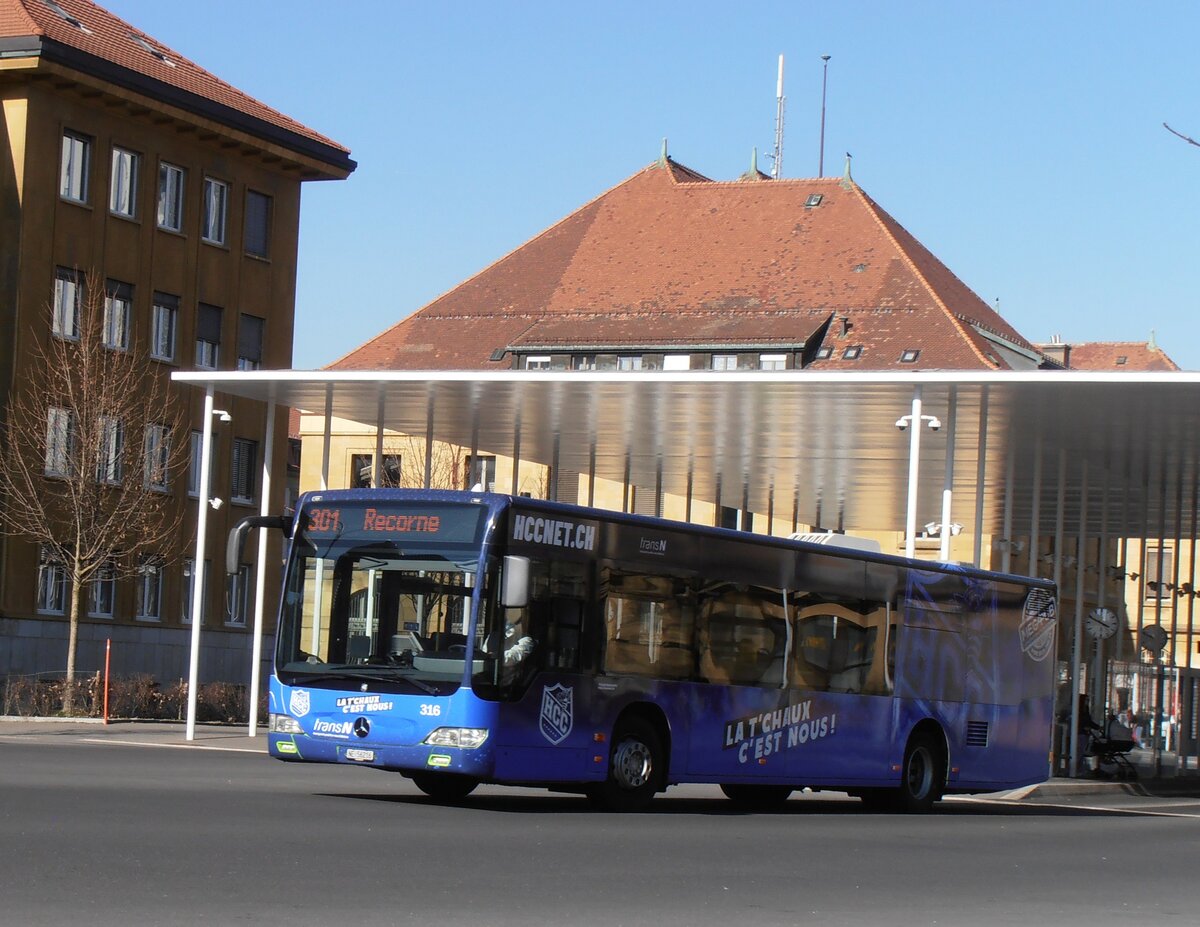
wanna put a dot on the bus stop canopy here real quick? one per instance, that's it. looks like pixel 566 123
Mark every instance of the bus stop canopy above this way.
pixel 1085 453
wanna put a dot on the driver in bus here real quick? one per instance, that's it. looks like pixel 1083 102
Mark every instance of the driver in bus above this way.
pixel 518 645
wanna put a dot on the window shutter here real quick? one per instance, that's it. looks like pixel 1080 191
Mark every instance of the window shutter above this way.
pixel 208 324
pixel 250 338
pixel 258 223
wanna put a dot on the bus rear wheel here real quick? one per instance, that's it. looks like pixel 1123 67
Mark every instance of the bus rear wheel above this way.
pixel 757 797
pixel 636 765
pixel 922 777
pixel 447 787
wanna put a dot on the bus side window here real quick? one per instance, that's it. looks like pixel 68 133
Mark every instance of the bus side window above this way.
pixel 839 647
pixel 742 636
pixel 649 626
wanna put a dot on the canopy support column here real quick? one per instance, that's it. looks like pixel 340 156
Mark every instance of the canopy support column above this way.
pixel 260 569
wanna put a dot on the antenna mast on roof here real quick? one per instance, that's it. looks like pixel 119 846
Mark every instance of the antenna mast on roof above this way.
pixel 777 166
pixel 824 82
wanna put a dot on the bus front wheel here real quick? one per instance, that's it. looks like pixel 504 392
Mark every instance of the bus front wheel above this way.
pixel 635 768
pixel 445 787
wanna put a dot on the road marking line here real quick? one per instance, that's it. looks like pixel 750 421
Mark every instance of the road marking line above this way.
pixel 189 746
pixel 1109 810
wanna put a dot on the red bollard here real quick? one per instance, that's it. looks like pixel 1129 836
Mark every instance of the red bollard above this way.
pixel 107 651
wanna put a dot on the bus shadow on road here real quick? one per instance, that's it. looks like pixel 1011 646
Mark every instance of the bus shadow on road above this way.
pixel 718 807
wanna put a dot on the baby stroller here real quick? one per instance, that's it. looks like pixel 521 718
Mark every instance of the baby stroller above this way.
pixel 1110 745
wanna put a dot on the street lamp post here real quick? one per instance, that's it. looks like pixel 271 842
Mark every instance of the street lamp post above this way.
pixel 202 507
pixel 913 423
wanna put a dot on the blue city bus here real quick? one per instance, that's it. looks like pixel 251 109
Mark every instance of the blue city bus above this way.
pixel 461 638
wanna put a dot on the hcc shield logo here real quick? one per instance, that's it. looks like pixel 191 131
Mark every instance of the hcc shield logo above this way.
pixel 557 717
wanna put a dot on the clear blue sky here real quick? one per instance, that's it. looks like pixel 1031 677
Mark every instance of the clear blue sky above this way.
pixel 1021 141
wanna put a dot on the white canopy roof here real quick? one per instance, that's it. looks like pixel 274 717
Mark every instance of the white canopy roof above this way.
pixel 824 444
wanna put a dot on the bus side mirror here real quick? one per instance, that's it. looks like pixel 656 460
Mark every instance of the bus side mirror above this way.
pixel 237 537
pixel 514 589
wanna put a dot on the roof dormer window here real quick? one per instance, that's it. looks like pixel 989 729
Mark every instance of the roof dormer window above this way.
pixel 910 355
pixel 814 199
pixel 824 353
pixel 854 352
pixel 1122 360
pixel 67 17
pixel 156 53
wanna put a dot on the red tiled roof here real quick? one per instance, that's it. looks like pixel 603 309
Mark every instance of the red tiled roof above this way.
pixel 1119 356
pixel 106 37
pixel 669 257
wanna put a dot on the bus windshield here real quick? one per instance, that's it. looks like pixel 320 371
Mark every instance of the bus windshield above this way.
pixel 380 593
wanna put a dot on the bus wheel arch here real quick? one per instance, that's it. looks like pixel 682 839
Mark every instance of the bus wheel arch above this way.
pixel 639 751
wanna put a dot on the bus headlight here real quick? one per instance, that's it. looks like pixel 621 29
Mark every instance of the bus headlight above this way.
pixel 283 724
pixel 467 738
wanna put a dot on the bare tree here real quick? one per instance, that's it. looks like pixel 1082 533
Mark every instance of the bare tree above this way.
pixel 447 463
pixel 96 438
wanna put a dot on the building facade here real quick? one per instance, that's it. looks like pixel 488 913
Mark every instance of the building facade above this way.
pixel 123 162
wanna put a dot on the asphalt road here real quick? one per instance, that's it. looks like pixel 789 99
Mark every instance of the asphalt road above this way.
pixel 106 834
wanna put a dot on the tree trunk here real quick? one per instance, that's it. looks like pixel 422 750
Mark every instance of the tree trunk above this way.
pixel 72 646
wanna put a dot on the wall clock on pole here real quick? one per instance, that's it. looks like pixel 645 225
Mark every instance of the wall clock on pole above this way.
pixel 1102 623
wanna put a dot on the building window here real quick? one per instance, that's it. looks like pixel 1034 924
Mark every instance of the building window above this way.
pixel 1157 557
pixel 52 583
pixel 481 473
pixel 158 457
pixel 194 463
pixel 772 362
pixel 537 362
pixel 361 466
pixel 170 197
pixel 237 596
pixel 250 342
pixel 814 199
pixel 910 356
pixel 162 326
pixel 1122 360
pixel 583 362
pixel 122 188
pixel 208 336
pixel 245 456
pixel 258 224
pixel 118 309
pixel 66 304
pixel 853 352
pixel 824 353
pixel 724 362
pixel 629 362
pixel 189 587
pixel 73 173
pixel 216 202
pixel 60 437
pixel 110 462
pixel 390 478
pixel 103 591
pixel 677 362
pixel 149 589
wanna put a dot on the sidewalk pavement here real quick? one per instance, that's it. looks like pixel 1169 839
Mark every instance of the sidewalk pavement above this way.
pixel 140 733
pixel 231 737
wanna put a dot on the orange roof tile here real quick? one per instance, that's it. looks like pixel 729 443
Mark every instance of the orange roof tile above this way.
pixel 1119 356
pixel 669 257
pixel 85 35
